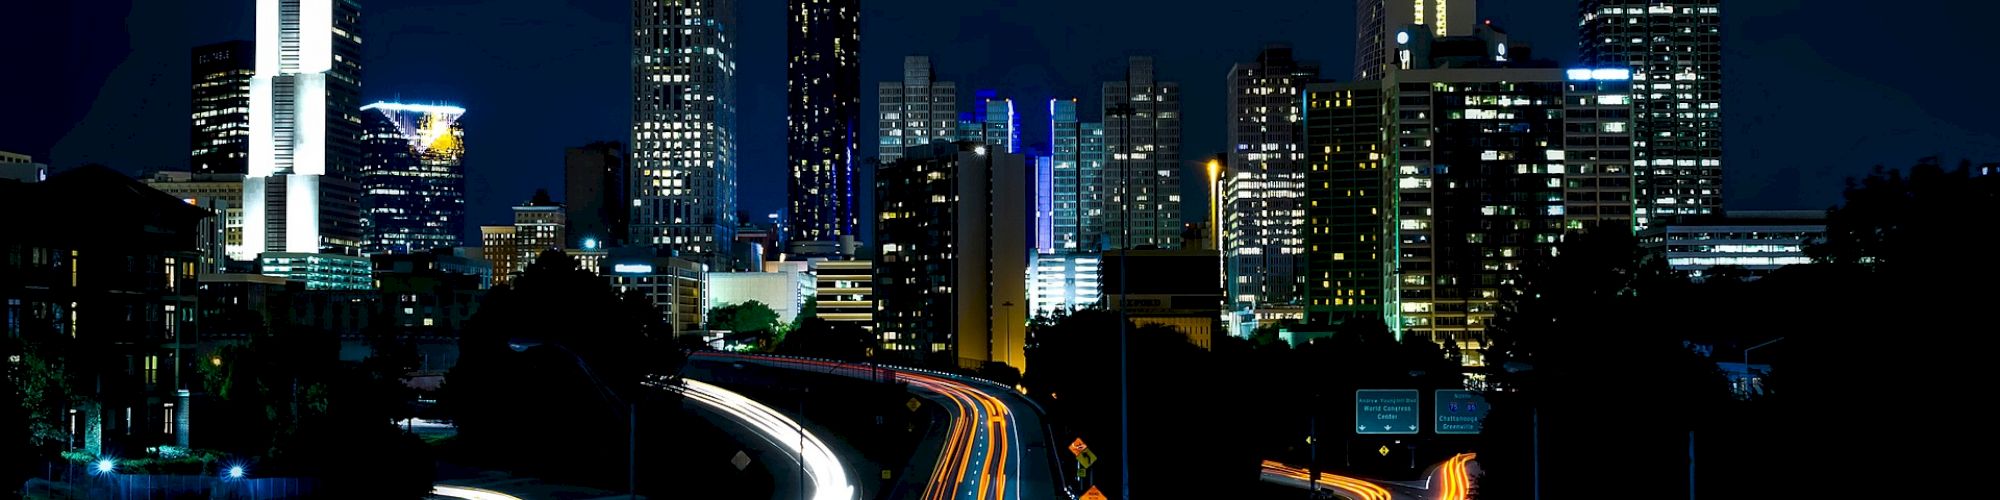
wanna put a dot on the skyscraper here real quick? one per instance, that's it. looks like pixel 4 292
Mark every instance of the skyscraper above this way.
pixel 412 177
pixel 1263 207
pixel 1349 246
pixel 1675 53
pixel 538 227
pixel 683 127
pixel 823 115
pixel 220 128
pixel 595 190
pixel 951 282
pixel 1377 23
pixel 915 111
pixel 1142 133
pixel 1077 179
pixel 300 194
pixel 1001 130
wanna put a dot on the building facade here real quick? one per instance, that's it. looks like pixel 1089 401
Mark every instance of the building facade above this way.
pixel 1077 170
pixel 1753 242
pixel 319 271
pixel 785 292
pixel 1350 255
pixel 1263 204
pixel 220 116
pixel 109 266
pixel 1064 282
pixel 497 245
pixel 1142 133
pixel 822 115
pixel 220 193
pixel 683 162
pixel 538 227
pixel 300 194
pixel 596 192
pixel 672 283
pixel 954 253
pixel 412 177
pixel 845 291
pixel 1675 53
pixel 915 111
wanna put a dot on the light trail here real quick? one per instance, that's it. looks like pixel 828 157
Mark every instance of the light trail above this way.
pixel 1455 482
pixel 974 463
pixel 827 477
pixel 468 493
pixel 1351 487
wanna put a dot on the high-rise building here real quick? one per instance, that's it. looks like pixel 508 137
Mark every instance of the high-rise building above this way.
pixel 1045 229
pixel 1493 165
pixel 1675 53
pixel 596 191
pixel 684 127
pixel 1751 242
pixel 1379 26
pixel 846 291
pixel 999 129
pixel 915 111
pixel 1076 179
pixel 412 177
pixel 823 116
pixel 1264 206
pixel 220 127
pixel 950 285
pixel 1351 195
pixel 1142 134
pixel 300 193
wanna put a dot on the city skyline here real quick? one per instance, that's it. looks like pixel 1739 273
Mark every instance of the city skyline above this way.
pixel 1765 173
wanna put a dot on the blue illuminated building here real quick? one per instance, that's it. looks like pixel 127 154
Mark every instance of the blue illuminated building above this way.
pixel 412 177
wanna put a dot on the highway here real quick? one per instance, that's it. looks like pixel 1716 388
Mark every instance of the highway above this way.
pixel 1449 480
pixel 995 448
pixel 825 474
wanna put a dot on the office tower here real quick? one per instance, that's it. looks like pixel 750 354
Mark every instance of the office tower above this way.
pixel 1348 252
pixel 1751 242
pixel 1675 53
pixel 673 284
pixel 412 177
pixel 915 111
pixel 1263 207
pixel 595 190
pixel 999 129
pixel 538 226
pixel 950 285
pixel 220 130
pixel 300 194
pixel 1378 22
pixel 822 116
pixel 221 194
pixel 1077 179
pixel 684 127
pixel 1493 165
pixel 1142 134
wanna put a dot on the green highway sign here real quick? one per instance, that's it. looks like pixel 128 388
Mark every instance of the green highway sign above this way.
pixel 1385 411
pixel 1458 412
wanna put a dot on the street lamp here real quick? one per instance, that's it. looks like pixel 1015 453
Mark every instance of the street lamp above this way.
pixel 632 413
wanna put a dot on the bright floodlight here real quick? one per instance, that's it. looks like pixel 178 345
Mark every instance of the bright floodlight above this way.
pixel 106 466
pixel 236 472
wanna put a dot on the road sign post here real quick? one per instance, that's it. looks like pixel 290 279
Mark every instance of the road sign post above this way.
pixel 1385 411
pixel 1458 412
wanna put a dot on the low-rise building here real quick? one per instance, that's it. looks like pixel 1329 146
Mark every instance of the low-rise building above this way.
pixel 319 271
pixel 1754 241
pixel 785 292
pixel 845 291
pixel 1177 288
pixel 674 284
pixel 1064 282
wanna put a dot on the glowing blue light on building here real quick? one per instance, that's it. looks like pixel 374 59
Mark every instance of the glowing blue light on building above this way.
pixel 1600 74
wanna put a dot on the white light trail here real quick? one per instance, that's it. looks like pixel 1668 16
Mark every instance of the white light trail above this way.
pixel 827 477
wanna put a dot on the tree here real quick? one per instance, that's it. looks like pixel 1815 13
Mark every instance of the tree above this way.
pixel 557 406
pixel 744 317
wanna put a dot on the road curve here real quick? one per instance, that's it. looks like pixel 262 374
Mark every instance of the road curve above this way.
pixel 984 456
pixel 826 475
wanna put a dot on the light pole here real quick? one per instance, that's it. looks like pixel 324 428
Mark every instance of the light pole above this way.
pixel 1747 375
pixel 631 413
pixel 1125 111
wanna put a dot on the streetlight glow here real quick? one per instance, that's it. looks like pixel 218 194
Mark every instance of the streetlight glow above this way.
pixel 106 466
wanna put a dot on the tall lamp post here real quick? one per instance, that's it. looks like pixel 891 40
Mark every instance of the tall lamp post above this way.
pixel 1124 111
pixel 631 413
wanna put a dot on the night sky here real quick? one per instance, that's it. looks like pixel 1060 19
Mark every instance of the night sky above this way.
pixel 1814 91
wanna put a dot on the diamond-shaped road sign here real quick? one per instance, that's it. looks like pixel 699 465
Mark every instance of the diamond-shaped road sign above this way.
pixel 1077 447
pixel 1086 458
pixel 1384 451
pixel 1093 494
pixel 913 404
pixel 741 460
